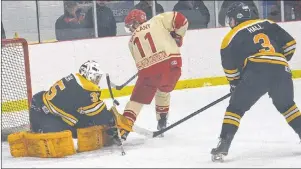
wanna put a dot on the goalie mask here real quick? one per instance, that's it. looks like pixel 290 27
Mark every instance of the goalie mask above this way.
pixel 91 71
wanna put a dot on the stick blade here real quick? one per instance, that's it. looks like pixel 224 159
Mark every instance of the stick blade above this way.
pixel 145 132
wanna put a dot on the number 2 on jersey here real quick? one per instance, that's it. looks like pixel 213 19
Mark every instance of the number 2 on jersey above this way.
pixel 148 37
pixel 266 44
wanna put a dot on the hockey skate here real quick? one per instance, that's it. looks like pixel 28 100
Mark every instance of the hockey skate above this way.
pixel 221 150
pixel 162 122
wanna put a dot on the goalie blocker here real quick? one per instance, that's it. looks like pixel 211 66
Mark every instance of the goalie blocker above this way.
pixel 71 108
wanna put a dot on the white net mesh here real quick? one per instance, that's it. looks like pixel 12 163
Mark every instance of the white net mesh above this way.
pixel 14 96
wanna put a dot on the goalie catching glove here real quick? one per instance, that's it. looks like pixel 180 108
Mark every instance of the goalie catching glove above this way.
pixel 120 123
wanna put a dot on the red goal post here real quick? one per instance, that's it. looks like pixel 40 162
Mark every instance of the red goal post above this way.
pixel 16 91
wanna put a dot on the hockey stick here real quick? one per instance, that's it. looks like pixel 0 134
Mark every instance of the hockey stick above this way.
pixel 156 133
pixel 135 128
pixel 124 84
pixel 115 102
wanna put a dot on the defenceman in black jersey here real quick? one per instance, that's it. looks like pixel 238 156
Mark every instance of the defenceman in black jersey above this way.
pixel 255 55
pixel 71 108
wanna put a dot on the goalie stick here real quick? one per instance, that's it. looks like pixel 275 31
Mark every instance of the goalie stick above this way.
pixel 124 84
pixel 135 128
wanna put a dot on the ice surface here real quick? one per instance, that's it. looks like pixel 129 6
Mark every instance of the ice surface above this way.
pixel 263 140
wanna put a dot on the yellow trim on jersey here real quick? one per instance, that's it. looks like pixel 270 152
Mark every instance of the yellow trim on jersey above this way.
pixel 59 112
pixel 259 60
pixel 92 109
pixel 97 111
pixel 64 115
pixel 232 78
pixel 291 43
pixel 232 74
pixel 91 106
pixel 238 28
pixel 269 54
pixel 231 71
pixel 67 121
pixel 86 84
pixel 290 52
pixel 267 57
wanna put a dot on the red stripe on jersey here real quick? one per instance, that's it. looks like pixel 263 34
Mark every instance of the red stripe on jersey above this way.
pixel 129 114
pixel 180 20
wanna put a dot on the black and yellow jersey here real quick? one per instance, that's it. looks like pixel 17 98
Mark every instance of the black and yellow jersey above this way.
pixel 260 41
pixel 73 97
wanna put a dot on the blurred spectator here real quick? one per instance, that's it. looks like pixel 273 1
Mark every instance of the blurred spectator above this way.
pixel 2 31
pixel 274 11
pixel 297 10
pixel 106 23
pixel 226 4
pixel 195 11
pixel 72 24
pixel 146 6
pixel 292 10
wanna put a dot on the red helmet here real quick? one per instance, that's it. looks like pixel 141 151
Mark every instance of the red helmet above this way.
pixel 135 16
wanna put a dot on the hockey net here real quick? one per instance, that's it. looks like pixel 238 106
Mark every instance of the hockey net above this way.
pixel 15 86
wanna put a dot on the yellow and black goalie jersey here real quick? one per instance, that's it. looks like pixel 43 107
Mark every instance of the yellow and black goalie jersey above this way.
pixel 73 97
pixel 261 41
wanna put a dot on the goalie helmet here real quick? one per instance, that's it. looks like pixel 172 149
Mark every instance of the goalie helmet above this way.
pixel 134 18
pixel 91 71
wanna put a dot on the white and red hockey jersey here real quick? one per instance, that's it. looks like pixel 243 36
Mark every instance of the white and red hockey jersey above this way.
pixel 152 43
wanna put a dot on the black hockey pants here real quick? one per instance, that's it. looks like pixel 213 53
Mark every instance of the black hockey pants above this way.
pixel 259 79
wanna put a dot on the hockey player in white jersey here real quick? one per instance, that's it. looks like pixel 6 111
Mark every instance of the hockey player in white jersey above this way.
pixel 155 47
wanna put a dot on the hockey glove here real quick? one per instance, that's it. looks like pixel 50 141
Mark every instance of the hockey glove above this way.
pixel 177 38
pixel 233 85
pixel 121 122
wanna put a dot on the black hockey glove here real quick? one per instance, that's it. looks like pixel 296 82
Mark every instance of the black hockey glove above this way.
pixel 177 38
pixel 233 85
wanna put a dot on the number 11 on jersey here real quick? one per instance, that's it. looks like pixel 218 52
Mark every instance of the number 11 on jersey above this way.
pixel 148 37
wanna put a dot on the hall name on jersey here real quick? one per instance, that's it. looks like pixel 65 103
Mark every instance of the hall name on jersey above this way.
pixel 254 28
pixel 149 61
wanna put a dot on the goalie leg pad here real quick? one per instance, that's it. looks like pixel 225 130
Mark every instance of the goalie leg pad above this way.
pixel 91 138
pixel 45 145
